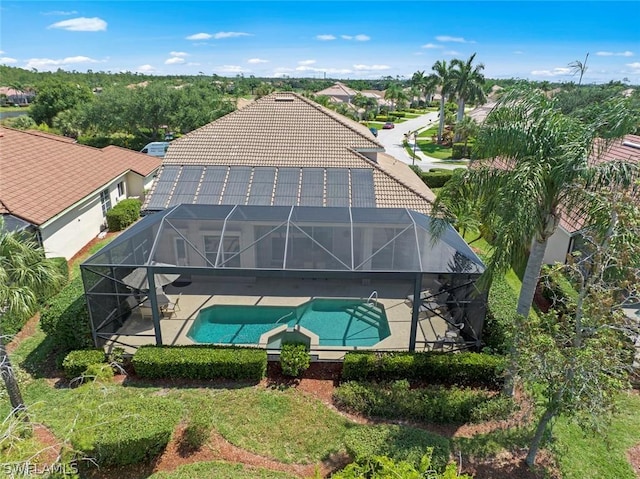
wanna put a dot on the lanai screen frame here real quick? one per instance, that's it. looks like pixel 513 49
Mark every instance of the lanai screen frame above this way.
pixel 420 258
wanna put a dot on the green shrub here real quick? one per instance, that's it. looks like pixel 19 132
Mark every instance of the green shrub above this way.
pixel 65 318
pixel 76 362
pixel 200 362
pixel 123 214
pixel 129 431
pixel 397 114
pixel 382 118
pixel 557 289
pixel 444 368
pixel 436 179
pixel 294 359
pixel 397 400
pixel 98 372
pixel 498 325
pixel 460 150
pixel 397 442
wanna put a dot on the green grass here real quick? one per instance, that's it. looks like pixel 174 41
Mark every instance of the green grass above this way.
pixel 220 470
pixel 284 425
pixel 583 455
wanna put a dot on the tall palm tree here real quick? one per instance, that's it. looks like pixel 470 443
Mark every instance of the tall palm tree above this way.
pixel 25 276
pixel 579 67
pixel 536 168
pixel 395 94
pixel 442 75
pixel 467 83
pixel 426 83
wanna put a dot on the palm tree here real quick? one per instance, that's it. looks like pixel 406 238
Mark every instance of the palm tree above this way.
pixel 395 93
pixel 467 83
pixel 25 276
pixel 465 129
pixel 579 67
pixel 442 77
pixel 426 83
pixel 537 169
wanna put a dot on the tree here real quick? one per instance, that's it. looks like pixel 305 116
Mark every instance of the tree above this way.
pixel 579 67
pixel 443 80
pixel 56 96
pixel 536 167
pixel 467 81
pixel 395 94
pixel 465 129
pixel 578 357
pixel 25 276
pixel 425 83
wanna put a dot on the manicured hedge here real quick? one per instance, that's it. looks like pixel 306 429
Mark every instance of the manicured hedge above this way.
pixel 200 362
pixel 76 362
pixel 400 443
pixel 436 178
pixel 129 431
pixel 460 150
pixel 65 318
pixel 440 368
pixel 123 214
pixel 433 404
pixel 294 359
pixel 498 324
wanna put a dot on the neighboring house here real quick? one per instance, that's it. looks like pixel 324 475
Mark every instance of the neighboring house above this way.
pixel 339 92
pixel 61 190
pixel 567 237
pixel 18 97
pixel 284 149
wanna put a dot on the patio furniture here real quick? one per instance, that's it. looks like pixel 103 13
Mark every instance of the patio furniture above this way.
pixel 170 308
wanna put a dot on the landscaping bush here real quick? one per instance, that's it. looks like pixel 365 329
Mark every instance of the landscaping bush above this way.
pixel 65 318
pixel 397 442
pixel 123 214
pixel 498 324
pixel 382 118
pixel 444 368
pixel 76 362
pixel 436 178
pixel 460 150
pixel 396 400
pixel 397 114
pixel 557 289
pixel 200 362
pixel 98 372
pixel 294 359
pixel 129 431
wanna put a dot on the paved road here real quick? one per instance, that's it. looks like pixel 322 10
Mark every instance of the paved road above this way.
pixel 392 141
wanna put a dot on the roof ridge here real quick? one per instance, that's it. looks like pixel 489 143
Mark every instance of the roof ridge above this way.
pixel 397 180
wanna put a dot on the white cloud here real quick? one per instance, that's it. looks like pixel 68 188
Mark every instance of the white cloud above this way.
pixel 306 68
pixel 346 37
pixel 199 36
pixel 193 64
pixel 7 60
pixel 325 37
pixel 615 54
pixel 81 24
pixel 635 66
pixel 358 38
pixel 231 69
pixel 362 38
pixel 361 67
pixel 43 63
pixel 146 68
pixel 447 38
pixel 178 54
pixel 255 61
pixel 306 62
pixel 431 45
pixel 558 71
pixel 451 52
pixel 220 35
pixel 174 61
pixel 61 13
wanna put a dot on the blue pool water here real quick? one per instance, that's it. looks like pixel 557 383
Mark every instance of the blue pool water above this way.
pixel 337 322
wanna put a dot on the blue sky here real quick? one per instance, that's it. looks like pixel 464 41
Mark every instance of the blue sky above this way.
pixel 361 39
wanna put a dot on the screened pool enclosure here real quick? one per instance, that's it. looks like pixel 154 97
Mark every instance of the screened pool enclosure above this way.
pixel 158 280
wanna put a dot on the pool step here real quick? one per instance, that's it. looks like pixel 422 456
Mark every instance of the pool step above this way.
pixel 367 313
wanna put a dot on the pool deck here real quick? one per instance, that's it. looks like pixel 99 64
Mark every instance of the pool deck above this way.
pixel 277 292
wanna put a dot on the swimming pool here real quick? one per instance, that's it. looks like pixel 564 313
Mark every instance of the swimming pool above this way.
pixel 337 322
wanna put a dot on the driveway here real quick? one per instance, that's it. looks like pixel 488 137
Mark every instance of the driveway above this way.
pixel 392 142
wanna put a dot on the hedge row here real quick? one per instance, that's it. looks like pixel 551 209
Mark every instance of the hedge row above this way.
pixel 439 368
pixel 65 318
pixel 460 150
pixel 433 404
pixel 200 362
pixel 123 214
pixel 76 362
pixel 129 432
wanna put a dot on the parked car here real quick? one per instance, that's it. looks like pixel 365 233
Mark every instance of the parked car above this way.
pixel 374 131
pixel 388 125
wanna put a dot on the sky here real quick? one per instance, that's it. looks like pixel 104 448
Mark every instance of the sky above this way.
pixel 337 39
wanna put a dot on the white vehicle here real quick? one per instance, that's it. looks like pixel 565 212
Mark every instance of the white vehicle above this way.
pixel 156 148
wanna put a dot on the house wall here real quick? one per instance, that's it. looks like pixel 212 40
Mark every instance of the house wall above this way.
pixel 137 185
pixel 557 247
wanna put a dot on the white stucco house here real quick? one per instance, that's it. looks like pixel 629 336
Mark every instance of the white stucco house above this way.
pixel 61 190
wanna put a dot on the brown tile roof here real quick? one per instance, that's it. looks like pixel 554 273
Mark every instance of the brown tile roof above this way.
pixel 41 175
pixel 281 129
pixel 338 89
pixel 284 130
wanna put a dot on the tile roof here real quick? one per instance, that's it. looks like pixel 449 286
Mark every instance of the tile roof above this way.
pixel 286 130
pixel 41 175
pixel 338 89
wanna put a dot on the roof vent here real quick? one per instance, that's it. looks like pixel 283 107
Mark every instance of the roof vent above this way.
pixel 284 98
pixel 631 144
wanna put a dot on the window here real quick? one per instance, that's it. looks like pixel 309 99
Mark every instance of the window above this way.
pixel 121 189
pixel 231 246
pixel 181 251
pixel 105 201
